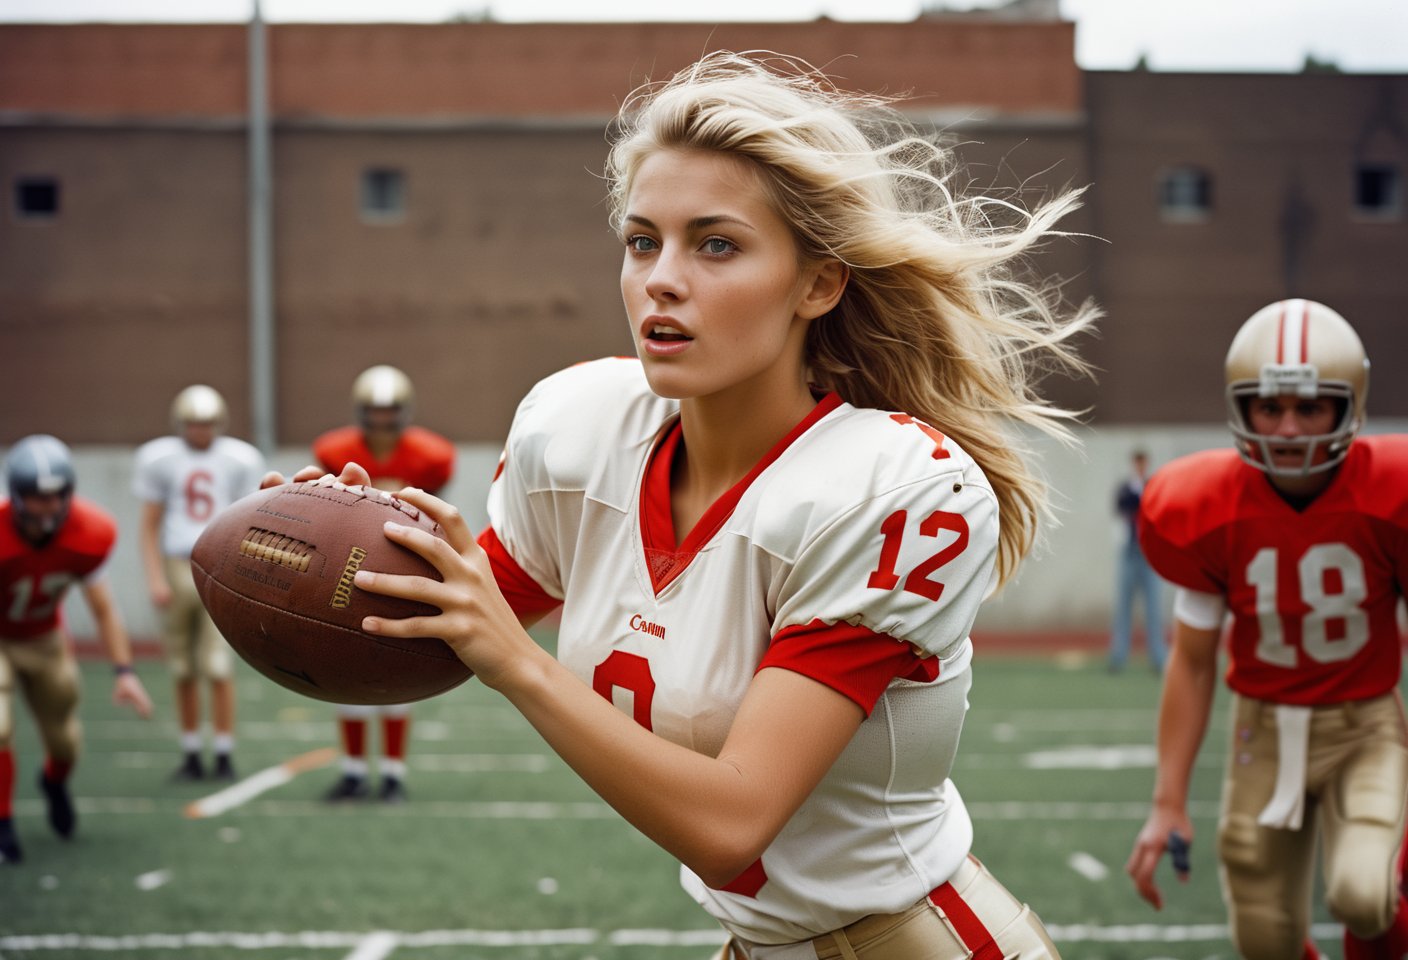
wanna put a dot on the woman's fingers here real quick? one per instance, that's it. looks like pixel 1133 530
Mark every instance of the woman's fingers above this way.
pixel 272 479
pixel 354 475
pixel 451 521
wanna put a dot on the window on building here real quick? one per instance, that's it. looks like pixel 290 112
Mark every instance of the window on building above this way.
pixel 1378 190
pixel 383 194
pixel 1185 194
pixel 36 197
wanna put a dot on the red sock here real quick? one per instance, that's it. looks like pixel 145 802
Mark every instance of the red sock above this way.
pixel 354 736
pixel 1392 944
pixel 57 771
pixel 1403 869
pixel 7 783
pixel 1310 953
pixel 393 736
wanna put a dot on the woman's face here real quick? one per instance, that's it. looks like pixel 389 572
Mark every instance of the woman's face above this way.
pixel 711 279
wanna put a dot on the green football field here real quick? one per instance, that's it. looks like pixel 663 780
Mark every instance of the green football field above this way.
pixel 503 853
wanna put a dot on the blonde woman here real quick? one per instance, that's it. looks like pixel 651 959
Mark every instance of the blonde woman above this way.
pixel 770 533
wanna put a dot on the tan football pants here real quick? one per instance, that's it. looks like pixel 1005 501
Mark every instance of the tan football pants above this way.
pixel 1356 779
pixel 973 915
pixel 44 671
pixel 193 644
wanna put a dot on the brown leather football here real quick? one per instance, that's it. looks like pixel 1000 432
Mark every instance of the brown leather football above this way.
pixel 275 571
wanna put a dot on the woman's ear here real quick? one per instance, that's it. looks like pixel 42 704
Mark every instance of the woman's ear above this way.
pixel 828 282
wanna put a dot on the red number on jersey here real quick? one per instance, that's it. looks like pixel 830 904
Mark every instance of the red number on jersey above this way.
pixel 939 452
pixel 629 672
pixel 200 503
pixel 885 577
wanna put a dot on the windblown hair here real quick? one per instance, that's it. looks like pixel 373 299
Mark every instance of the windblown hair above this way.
pixel 937 319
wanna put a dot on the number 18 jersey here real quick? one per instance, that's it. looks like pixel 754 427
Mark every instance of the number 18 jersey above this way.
pixel 856 553
pixel 1312 592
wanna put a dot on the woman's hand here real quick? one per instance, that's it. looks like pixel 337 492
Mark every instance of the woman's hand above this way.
pixel 474 618
pixel 352 475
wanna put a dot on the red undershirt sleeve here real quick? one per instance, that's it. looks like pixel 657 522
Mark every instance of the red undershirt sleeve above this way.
pixel 523 593
pixel 853 661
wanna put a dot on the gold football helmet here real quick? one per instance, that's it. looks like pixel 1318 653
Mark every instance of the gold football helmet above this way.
pixel 1299 348
pixel 198 404
pixel 383 386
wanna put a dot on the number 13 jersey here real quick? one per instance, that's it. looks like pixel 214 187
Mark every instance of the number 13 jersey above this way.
pixel 856 553
pixel 1313 592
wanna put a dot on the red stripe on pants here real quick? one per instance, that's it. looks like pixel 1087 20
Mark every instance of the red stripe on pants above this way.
pixel 971 931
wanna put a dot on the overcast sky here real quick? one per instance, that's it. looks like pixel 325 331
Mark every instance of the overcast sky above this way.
pixel 1358 35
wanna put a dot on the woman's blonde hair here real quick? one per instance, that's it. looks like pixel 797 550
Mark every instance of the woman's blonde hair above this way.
pixel 936 320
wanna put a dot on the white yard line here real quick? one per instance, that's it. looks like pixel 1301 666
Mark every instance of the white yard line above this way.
pixel 694 938
pixel 375 946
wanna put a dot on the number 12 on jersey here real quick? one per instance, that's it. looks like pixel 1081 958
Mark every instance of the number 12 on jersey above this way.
pixel 917 581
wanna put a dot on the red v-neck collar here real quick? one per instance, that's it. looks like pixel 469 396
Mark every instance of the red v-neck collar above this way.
pixel 663 559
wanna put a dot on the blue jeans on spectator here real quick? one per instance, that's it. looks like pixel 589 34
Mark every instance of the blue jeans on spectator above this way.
pixel 1135 576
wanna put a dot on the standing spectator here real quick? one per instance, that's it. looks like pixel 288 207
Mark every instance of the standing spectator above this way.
pixel 1301 535
pixel 183 481
pixel 50 540
pixel 1135 576
pixel 395 455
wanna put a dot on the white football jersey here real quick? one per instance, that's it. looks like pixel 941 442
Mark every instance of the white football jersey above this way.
pixel 863 537
pixel 193 485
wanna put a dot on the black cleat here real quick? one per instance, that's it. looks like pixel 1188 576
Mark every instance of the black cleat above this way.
pixel 224 768
pixel 350 787
pixel 191 769
pixel 9 843
pixel 392 790
pixel 61 813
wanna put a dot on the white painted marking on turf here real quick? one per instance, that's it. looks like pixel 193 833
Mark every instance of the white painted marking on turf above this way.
pixel 1122 757
pixel 1087 866
pixel 667 938
pixel 261 782
pixel 694 938
pixel 375 946
pixel 153 879
pixel 547 886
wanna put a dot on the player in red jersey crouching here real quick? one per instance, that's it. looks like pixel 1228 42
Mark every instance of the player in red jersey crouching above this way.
pixel 1301 535
pixel 50 540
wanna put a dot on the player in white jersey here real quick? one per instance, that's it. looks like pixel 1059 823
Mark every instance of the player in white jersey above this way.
pixel 770 534
pixel 183 481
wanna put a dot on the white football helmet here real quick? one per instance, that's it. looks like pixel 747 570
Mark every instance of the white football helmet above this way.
pixel 383 386
pixel 199 404
pixel 1304 349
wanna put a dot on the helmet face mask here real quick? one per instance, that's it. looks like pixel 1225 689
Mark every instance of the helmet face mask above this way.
pixel 40 478
pixel 1303 349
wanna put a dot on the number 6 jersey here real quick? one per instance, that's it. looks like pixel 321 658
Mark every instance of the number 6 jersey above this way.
pixel 855 553
pixel 1312 592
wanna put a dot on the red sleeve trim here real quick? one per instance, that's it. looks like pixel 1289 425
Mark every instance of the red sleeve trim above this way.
pixel 523 593
pixel 854 661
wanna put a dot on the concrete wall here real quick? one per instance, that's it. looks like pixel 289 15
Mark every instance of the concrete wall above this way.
pixel 1066 589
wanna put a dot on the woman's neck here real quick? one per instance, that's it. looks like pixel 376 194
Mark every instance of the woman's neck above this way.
pixel 725 435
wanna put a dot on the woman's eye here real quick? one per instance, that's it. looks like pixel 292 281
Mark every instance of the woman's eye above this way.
pixel 718 246
pixel 640 244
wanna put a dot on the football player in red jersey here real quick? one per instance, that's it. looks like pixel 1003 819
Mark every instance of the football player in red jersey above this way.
pixel 769 533
pixel 1301 535
pixel 395 454
pixel 50 540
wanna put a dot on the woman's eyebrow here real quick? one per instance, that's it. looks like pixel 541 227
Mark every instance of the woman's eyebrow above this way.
pixel 696 223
